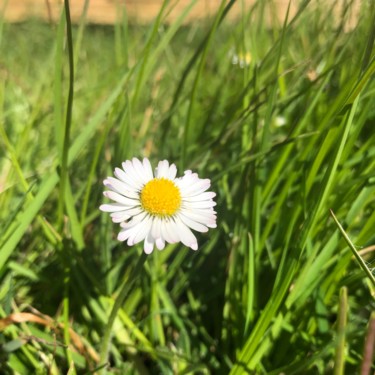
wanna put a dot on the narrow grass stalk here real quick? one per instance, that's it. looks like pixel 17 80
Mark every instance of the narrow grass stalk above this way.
pixel 64 177
pixel 250 284
pixel 66 313
pixel 369 348
pixel 354 250
pixel 104 351
pixel 341 327
pixel 57 90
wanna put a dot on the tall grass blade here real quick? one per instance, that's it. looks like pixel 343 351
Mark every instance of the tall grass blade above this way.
pixel 352 247
pixel 339 368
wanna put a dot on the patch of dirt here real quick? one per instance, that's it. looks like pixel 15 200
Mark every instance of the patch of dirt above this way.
pixel 144 11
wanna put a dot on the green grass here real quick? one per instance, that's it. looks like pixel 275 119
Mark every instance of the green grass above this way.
pixel 286 140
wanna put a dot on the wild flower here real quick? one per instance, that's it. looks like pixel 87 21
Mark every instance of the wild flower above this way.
pixel 159 208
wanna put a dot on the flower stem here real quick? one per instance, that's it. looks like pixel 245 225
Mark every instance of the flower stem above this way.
pixel 116 307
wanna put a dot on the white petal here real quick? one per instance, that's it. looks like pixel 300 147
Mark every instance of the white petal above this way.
pixel 172 172
pixel 206 212
pixel 155 230
pixel 117 185
pixel 132 173
pixel 187 180
pixel 205 217
pixel 186 235
pixel 211 224
pixel 126 233
pixel 193 224
pixel 148 169
pixel 204 204
pixel 135 233
pixel 134 211
pixel 160 243
pixel 139 169
pixel 112 207
pixel 148 246
pixel 121 199
pixel 144 230
pixel 127 179
pixel 197 188
pixel 134 220
pixel 119 217
pixel 200 197
pixel 162 169
pixel 121 187
pixel 169 232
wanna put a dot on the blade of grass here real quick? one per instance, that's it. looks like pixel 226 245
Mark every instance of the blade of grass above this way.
pixel 64 173
pixel 250 285
pixel 65 184
pixel 369 347
pixel 361 262
pixel 339 368
pixel 57 91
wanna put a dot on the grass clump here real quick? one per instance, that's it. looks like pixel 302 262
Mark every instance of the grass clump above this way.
pixel 285 134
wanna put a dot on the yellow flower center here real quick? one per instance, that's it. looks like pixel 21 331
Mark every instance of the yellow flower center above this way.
pixel 161 197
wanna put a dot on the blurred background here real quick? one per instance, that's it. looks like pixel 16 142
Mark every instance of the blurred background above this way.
pixel 110 11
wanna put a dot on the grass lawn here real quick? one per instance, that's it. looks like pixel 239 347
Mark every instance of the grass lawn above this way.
pixel 280 118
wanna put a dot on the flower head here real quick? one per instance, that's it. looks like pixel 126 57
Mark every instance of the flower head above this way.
pixel 243 59
pixel 159 208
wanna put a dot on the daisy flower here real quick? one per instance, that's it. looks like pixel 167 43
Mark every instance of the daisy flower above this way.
pixel 159 207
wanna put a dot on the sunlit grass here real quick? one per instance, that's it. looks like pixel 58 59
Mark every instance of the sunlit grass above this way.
pixel 285 137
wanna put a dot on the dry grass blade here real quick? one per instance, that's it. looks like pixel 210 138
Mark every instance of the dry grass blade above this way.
pixel 25 317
